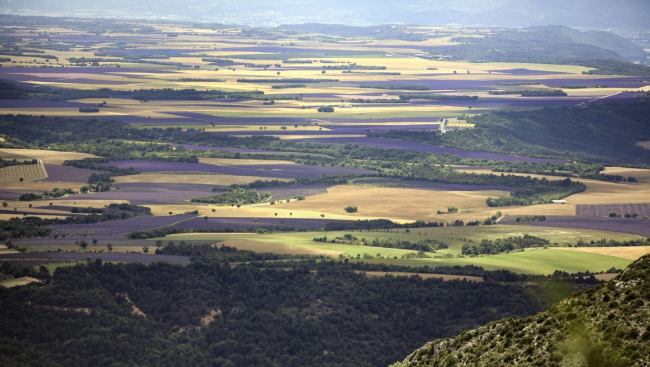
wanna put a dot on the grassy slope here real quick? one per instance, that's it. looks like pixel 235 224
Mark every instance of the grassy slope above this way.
pixel 604 326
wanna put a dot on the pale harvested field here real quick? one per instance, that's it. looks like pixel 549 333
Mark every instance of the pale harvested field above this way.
pixel 606 277
pixel 18 281
pixel 543 209
pixel 421 275
pixel 598 192
pixel 224 180
pixel 240 162
pixel 11 156
pixel 252 211
pixel 642 175
pixel 277 248
pixel 39 186
pixel 398 203
pixel 40 208
pixel 294 137
pixel 631 252
pixel 248 128
pixel 20 215
pixel 30 172
pixel 49 156
pixel 644 144
pixel 81 203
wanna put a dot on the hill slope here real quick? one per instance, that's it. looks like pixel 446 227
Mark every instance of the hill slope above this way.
pixel 608 325
pixel 600 133
pixel 546 44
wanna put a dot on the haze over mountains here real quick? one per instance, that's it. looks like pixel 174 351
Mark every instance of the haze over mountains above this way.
pixel 504 13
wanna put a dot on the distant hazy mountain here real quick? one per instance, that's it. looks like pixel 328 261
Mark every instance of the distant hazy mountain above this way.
pixel 604 326
pixel 507 13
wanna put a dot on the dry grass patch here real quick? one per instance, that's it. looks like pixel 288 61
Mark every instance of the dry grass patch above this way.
pixel 49 156
pixel 42 216
pixel 631 252
pixel 249 211
pixel 9 283
pixel 39 186
pixel 642 175
pixel 600 192
pixel 606 277
pixel 398 203
pixel 542 209
pixel 294 137
pixel 644 144
pixel 597 192
pixel 209 318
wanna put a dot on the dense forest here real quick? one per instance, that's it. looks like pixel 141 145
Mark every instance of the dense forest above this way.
pixel 210 313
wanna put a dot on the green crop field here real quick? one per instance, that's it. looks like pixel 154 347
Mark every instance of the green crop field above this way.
pixel 536 261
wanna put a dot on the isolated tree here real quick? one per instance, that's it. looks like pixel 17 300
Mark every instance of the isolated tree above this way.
pixel 214 210
pixel 205 218
pixel 255 220
pixel 21 179
pixel 30 205
pixel 238 206
pixel 4 204
pixel 145 249
pixel 83 244
pixel 276 214
pixel 95 241
pixel 278 73
pixel 109 247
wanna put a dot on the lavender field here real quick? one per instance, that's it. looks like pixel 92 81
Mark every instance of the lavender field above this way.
pixel 261 170
pixel 58 173
pixel 246 223
pixel 149 193
pixel 116 229
pixel 35 258
pixel 424 185
pixel 642 210
pixel 640 227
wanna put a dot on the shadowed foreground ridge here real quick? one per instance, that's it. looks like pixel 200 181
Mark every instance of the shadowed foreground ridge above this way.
pixel 606 325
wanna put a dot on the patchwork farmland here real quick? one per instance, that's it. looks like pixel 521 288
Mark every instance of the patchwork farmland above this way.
pixel 190 190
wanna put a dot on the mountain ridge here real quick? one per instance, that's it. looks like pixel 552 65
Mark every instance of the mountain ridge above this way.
pixel 604 326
